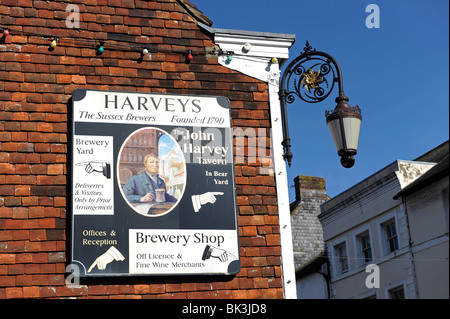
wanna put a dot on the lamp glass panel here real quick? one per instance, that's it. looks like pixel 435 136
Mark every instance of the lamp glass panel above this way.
pixel 335 130
pixel 352 127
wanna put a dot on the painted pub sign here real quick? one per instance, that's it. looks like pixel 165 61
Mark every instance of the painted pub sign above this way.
pixel 153 185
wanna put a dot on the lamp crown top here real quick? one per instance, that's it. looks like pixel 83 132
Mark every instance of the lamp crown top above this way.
pixel 307 48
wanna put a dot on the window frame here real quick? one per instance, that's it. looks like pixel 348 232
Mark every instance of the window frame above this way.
pixel 381 222
pixel 339 259
pixel 445 195
pixel 394 290
pixel 365 253
pixel 390 239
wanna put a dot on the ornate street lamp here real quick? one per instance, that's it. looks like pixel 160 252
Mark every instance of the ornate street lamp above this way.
pixel 313 75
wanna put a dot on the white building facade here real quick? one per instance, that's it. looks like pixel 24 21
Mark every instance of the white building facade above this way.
pixel 378 246
pixel 426 202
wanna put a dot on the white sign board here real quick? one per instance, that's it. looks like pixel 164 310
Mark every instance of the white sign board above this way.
pixel 153 185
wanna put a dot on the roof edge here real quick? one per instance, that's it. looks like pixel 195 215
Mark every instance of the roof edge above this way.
pixel 437 154
pixel 256 34
pixel 194 13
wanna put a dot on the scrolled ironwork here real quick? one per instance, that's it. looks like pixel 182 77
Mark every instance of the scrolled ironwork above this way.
pixel 299 71
pixel 311 77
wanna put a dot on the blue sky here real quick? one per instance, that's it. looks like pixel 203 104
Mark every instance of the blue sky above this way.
pixel 398 74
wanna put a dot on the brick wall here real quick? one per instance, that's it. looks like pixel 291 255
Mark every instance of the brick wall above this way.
pixel 36 84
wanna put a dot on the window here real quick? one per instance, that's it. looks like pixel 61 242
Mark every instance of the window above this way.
pixel 445 196
pixel 397 293
pixel 365 249
pixel 340 251
pixel 390 235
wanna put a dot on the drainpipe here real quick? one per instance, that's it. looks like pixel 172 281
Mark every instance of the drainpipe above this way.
pixel 410 243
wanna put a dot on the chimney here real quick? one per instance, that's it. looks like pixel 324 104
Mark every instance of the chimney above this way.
pixel 309 186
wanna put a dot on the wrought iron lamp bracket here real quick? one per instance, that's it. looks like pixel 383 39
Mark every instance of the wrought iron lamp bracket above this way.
pixel 310 77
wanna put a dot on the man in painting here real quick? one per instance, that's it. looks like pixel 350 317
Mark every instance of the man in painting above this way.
pixel 143 188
